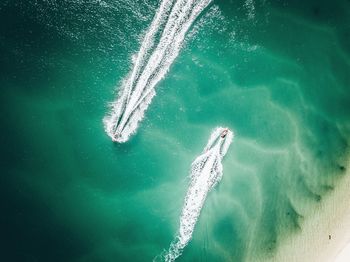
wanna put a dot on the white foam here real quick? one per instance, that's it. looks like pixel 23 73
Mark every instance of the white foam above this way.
pixel 206 172
pixel 249 4
pixel 171 23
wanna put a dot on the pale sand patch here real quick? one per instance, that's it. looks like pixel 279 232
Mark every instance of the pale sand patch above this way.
pixel 344 255
pixel 325 235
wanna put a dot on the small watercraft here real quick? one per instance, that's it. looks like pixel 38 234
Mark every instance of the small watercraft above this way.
pixel 224 133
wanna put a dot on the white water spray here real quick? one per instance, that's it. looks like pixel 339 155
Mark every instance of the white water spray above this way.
pixel 170 24
pixel 206 172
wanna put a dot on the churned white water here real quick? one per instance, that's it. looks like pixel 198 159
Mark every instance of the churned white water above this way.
pixel 171 23
pixel 206 172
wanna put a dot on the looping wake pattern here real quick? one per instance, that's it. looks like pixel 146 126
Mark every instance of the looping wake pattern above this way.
pixel 206 172
pixel 161 45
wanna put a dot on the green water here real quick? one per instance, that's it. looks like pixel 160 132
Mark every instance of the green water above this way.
pixel 277 73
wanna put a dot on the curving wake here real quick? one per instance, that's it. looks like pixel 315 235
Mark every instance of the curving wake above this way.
pixel 160 47
pixel 206 172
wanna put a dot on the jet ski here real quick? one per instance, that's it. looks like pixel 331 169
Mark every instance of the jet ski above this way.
pixel 224 133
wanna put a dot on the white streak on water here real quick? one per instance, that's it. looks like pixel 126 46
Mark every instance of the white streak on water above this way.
pixel 249 4
pixel 206 172
pixel 172 21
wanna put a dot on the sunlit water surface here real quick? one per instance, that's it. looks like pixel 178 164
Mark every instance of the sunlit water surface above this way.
pixel 275 72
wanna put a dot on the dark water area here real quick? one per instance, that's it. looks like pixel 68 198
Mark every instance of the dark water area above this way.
pixel 275 72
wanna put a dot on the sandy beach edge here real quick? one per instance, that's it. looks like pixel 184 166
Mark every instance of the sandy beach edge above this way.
pixel 325 235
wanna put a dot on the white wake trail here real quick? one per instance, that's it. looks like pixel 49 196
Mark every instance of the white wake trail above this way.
pixel 148 42
pixel 172 21
pixel 206 172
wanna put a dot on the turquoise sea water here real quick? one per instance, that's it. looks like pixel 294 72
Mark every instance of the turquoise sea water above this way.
pixel 275 72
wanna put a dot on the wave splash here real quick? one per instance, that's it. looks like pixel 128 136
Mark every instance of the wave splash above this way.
pixel 206 172
pixel 170 24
